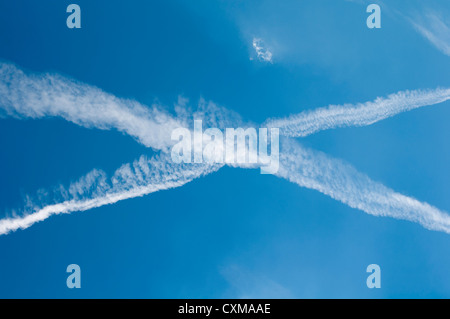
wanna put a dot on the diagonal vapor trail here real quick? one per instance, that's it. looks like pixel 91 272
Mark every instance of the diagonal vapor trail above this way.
pixel 362 114
pixel 33 96
pixel 51 95
pixel 342 182
pixel 129 181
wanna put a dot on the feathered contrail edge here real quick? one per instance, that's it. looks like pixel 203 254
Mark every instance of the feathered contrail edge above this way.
pixel 141 178
pixel 33 96
pixel 341 181
pixel 362 114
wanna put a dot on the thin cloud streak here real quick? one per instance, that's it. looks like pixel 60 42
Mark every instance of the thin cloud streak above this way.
pixel 435 30
pixel 342 182
pixel 129 181
pixel 51 95
pixel 362 114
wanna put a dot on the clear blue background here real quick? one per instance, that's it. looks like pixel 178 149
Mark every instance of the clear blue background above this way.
pixel 235 233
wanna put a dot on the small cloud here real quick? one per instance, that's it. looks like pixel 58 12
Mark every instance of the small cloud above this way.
pixel 262 52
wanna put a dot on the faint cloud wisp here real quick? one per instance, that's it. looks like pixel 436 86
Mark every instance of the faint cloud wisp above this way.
pixel 247 285
pixel 435 30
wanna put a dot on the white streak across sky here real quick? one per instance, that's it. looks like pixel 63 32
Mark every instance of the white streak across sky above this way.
pixel 141 178
pixel 435 30
pixel 341 181
pixel 40 96
pixel 51 95
pixel 361 114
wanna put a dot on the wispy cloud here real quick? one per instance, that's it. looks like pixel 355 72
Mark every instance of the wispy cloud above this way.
pixel 36 96
pixel 262 52
pixel 435 29
pixel 432 24
pixel 362 114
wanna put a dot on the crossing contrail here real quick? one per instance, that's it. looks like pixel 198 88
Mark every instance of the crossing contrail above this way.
pixel 40 96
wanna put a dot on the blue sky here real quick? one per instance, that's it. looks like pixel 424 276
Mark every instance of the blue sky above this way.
pixel 234 233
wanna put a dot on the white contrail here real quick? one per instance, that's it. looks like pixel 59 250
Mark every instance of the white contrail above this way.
pixel 141 178
pixel 47 95
pixel 342 182
pixel 52 95
pixel 335 116
pixel 306 168
pixel 40 96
